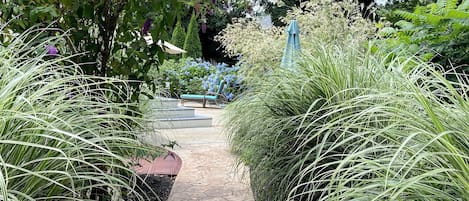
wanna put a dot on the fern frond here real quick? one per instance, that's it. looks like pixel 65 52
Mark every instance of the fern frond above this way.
pixel 434 8
pixel 386 31
pixel 441 3
pixel 421 10
pixel 423 38
pixel 405 25
pixel 409 16
pixel 451 4
pixel 458 14
pixel 433 19
pixel 464 5
pixel 461 23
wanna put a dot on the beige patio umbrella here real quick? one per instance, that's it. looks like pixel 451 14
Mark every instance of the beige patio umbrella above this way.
pixel 170 48
pixel 166 46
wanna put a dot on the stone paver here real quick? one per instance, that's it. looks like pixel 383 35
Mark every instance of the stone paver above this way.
pixel 209 171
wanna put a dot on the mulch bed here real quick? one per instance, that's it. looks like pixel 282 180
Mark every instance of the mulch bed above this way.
pixel 160 185
pixel 158 174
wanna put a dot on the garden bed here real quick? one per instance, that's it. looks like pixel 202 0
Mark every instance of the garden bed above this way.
pixel 159 184
pixel 159 175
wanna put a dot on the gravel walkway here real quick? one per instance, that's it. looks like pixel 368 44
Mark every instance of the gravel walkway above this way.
pixel 209 171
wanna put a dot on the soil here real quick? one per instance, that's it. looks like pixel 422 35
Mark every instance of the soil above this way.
pixel 159 184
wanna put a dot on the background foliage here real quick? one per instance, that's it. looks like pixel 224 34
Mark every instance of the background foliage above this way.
pixel 386 10
pixel 192 42
pixel 438 32
pixel 195 76
pixel 61 136
pixel 261 49
pixel 178 37
pixel 108 31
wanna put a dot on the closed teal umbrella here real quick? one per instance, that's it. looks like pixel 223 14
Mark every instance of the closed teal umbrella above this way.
pixel 293 49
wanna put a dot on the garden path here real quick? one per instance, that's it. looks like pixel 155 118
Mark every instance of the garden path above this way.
pixel 209 171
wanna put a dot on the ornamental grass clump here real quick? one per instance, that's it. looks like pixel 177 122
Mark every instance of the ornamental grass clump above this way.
pixel 343 126
pixel 61 136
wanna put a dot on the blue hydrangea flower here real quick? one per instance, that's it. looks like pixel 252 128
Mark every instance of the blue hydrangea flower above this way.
pixel 205 84
pixel 228 79
pixel 238 81
pixel 229 96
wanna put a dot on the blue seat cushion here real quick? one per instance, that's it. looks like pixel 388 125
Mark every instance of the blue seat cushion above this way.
pixel 198 97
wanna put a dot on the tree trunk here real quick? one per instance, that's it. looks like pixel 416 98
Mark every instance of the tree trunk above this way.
pixel 108 26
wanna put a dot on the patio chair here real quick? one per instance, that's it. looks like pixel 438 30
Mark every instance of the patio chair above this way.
pixel 213 96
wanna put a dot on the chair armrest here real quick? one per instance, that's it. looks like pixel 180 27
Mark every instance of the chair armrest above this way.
pixel 215 94
pixel 212 93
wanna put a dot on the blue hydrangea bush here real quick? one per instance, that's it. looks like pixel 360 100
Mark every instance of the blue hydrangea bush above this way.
pixel 195 76
pixel 233 82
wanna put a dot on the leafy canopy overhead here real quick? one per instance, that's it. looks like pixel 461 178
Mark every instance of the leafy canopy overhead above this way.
pixel 108 32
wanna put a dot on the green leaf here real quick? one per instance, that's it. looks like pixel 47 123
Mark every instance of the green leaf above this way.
pixel 409 16
pixel 457 14
pixel 386 31
pixel 405 25
pixel 433 19
pixel 21 24
pixel 88 11
pixel 451 4
pixel 67 3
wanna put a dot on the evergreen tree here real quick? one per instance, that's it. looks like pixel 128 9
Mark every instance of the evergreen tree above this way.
pixel 192 43
pixel 178 38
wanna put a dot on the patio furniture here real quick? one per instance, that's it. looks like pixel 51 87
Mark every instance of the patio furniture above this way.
pixel 213 96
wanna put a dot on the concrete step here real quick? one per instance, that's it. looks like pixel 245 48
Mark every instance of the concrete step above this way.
pixel 163 113
pixel 182 122
pixel 164 103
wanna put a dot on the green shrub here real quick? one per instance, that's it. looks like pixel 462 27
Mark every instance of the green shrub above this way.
pixel 229 74
pixel 344 126
pixel 261 50
pixel 192 42
pixel 192 75
pixel 167 72
pixel 189 76
pixel 184 75
pixel 438 32
pixel 108 31
pixel 178 37
pixel 61 136
pixel 386 11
